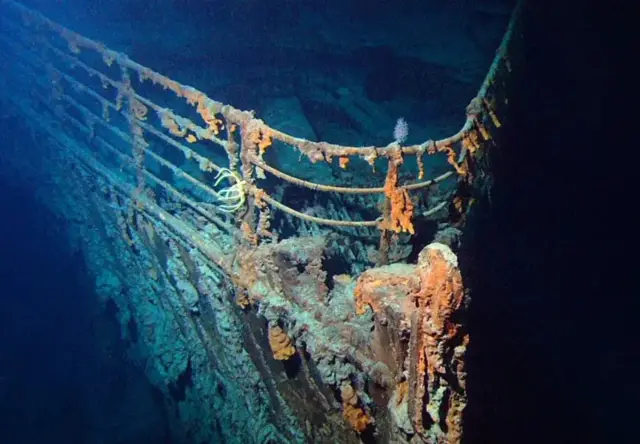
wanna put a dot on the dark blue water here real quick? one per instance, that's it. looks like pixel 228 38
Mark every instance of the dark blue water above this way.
pixel 555 356
pixel 45 322
pixel 63 373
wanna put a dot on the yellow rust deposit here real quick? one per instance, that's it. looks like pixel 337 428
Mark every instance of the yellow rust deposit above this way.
pixel 280 343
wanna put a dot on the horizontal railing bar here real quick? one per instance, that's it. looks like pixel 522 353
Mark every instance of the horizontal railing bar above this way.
pixel 337 189
pixel 208 246
pixel 125 137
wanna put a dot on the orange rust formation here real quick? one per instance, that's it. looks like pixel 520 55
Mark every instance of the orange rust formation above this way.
pixel 379 287
pixel 280 344
pixel 352 412
pixel 401 207
pixel 424 300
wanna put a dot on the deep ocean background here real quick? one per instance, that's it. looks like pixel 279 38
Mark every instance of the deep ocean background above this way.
pixel 553 357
